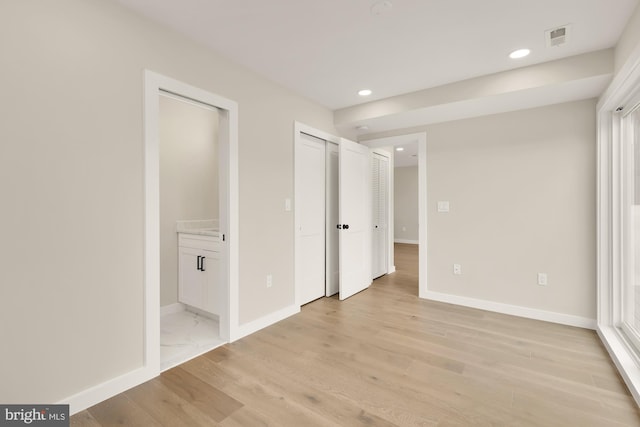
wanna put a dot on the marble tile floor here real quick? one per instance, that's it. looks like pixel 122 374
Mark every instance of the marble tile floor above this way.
pixel 185 335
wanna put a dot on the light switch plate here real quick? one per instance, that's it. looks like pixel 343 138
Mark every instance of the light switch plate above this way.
pixel 287 205
pixel 443 206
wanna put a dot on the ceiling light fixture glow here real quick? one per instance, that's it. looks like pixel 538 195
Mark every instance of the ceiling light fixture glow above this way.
pixel 520 53
pixel 381 7
pixel 365 92
pixel 399 149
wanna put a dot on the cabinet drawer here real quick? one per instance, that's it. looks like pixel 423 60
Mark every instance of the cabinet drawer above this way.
pixel 197 241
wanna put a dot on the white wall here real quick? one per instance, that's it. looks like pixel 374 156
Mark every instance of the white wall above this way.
pixel 406 203
pixel 71 180
pixel 522 191
pixel 628 40
pixel 523 196
pixel 188 179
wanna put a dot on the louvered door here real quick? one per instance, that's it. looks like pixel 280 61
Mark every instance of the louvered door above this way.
pixel 380 214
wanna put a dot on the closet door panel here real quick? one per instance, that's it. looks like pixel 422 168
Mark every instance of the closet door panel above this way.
pixel 355 218
pixel 310 235
pixel 332 259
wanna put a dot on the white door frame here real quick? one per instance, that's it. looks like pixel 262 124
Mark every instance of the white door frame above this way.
pixel 421 139
pixel 299 128
pixel 154 83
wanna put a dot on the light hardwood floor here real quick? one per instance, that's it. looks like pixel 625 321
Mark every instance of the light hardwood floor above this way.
pixel 384 358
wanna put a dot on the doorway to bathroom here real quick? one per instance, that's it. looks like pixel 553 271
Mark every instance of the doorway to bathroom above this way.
pixel 191 222
pixel 190 277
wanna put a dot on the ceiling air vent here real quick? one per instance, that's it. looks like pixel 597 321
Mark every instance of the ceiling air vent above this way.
pixel 557 36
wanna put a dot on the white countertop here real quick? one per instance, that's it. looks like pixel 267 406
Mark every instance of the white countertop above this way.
pixel 207 227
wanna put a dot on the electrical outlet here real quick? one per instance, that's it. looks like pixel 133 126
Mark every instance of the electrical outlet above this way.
pixel 269 280
pixel 457 269
pixel 542 279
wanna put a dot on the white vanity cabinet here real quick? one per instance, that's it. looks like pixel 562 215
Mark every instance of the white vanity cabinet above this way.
pixel 199 272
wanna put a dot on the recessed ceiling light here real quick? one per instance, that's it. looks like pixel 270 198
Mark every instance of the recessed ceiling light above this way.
pixel 362 127
pixel 380 7
pixel 520 53
pixel 399 149
pixel 365 92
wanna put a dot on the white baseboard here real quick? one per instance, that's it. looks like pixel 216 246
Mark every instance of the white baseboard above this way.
pixel 268 320
pixel 98 393
pixel 514 310
pixel 172 308
pixel 392 269
pixel 408 242
pixel 208 315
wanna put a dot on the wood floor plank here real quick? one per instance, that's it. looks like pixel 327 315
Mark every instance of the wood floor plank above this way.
pixel 121 411
pixel 347 381
pixel 84 419
pixel 166 407
pixel 340 411
pixel 244 417
pixel 385 357
pixel 273 406
pixel 207 398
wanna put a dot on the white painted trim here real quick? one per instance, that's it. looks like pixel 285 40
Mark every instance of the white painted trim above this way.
pixel 268 320
pixel 301 127
pixel 422 218
pixel 623 359
pixel 100 392
pixel 172 309
pixel 609 221
pixel 421 139
pixel 514 310
pixel 392 269
pixel 407 241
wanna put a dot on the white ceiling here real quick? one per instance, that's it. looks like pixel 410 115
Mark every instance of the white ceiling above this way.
pixel 327 50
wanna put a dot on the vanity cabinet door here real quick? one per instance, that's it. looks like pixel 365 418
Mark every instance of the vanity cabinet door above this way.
pixel 212 297
pixel 191 289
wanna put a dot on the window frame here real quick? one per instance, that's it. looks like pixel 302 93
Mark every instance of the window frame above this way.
pixel 622 343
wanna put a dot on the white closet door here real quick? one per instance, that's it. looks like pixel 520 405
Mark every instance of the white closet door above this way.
pixel 380 214
pixel 310 206
pixel 333 217
pixel 355 218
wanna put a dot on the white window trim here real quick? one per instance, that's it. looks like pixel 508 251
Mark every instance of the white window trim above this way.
pixel 610 221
